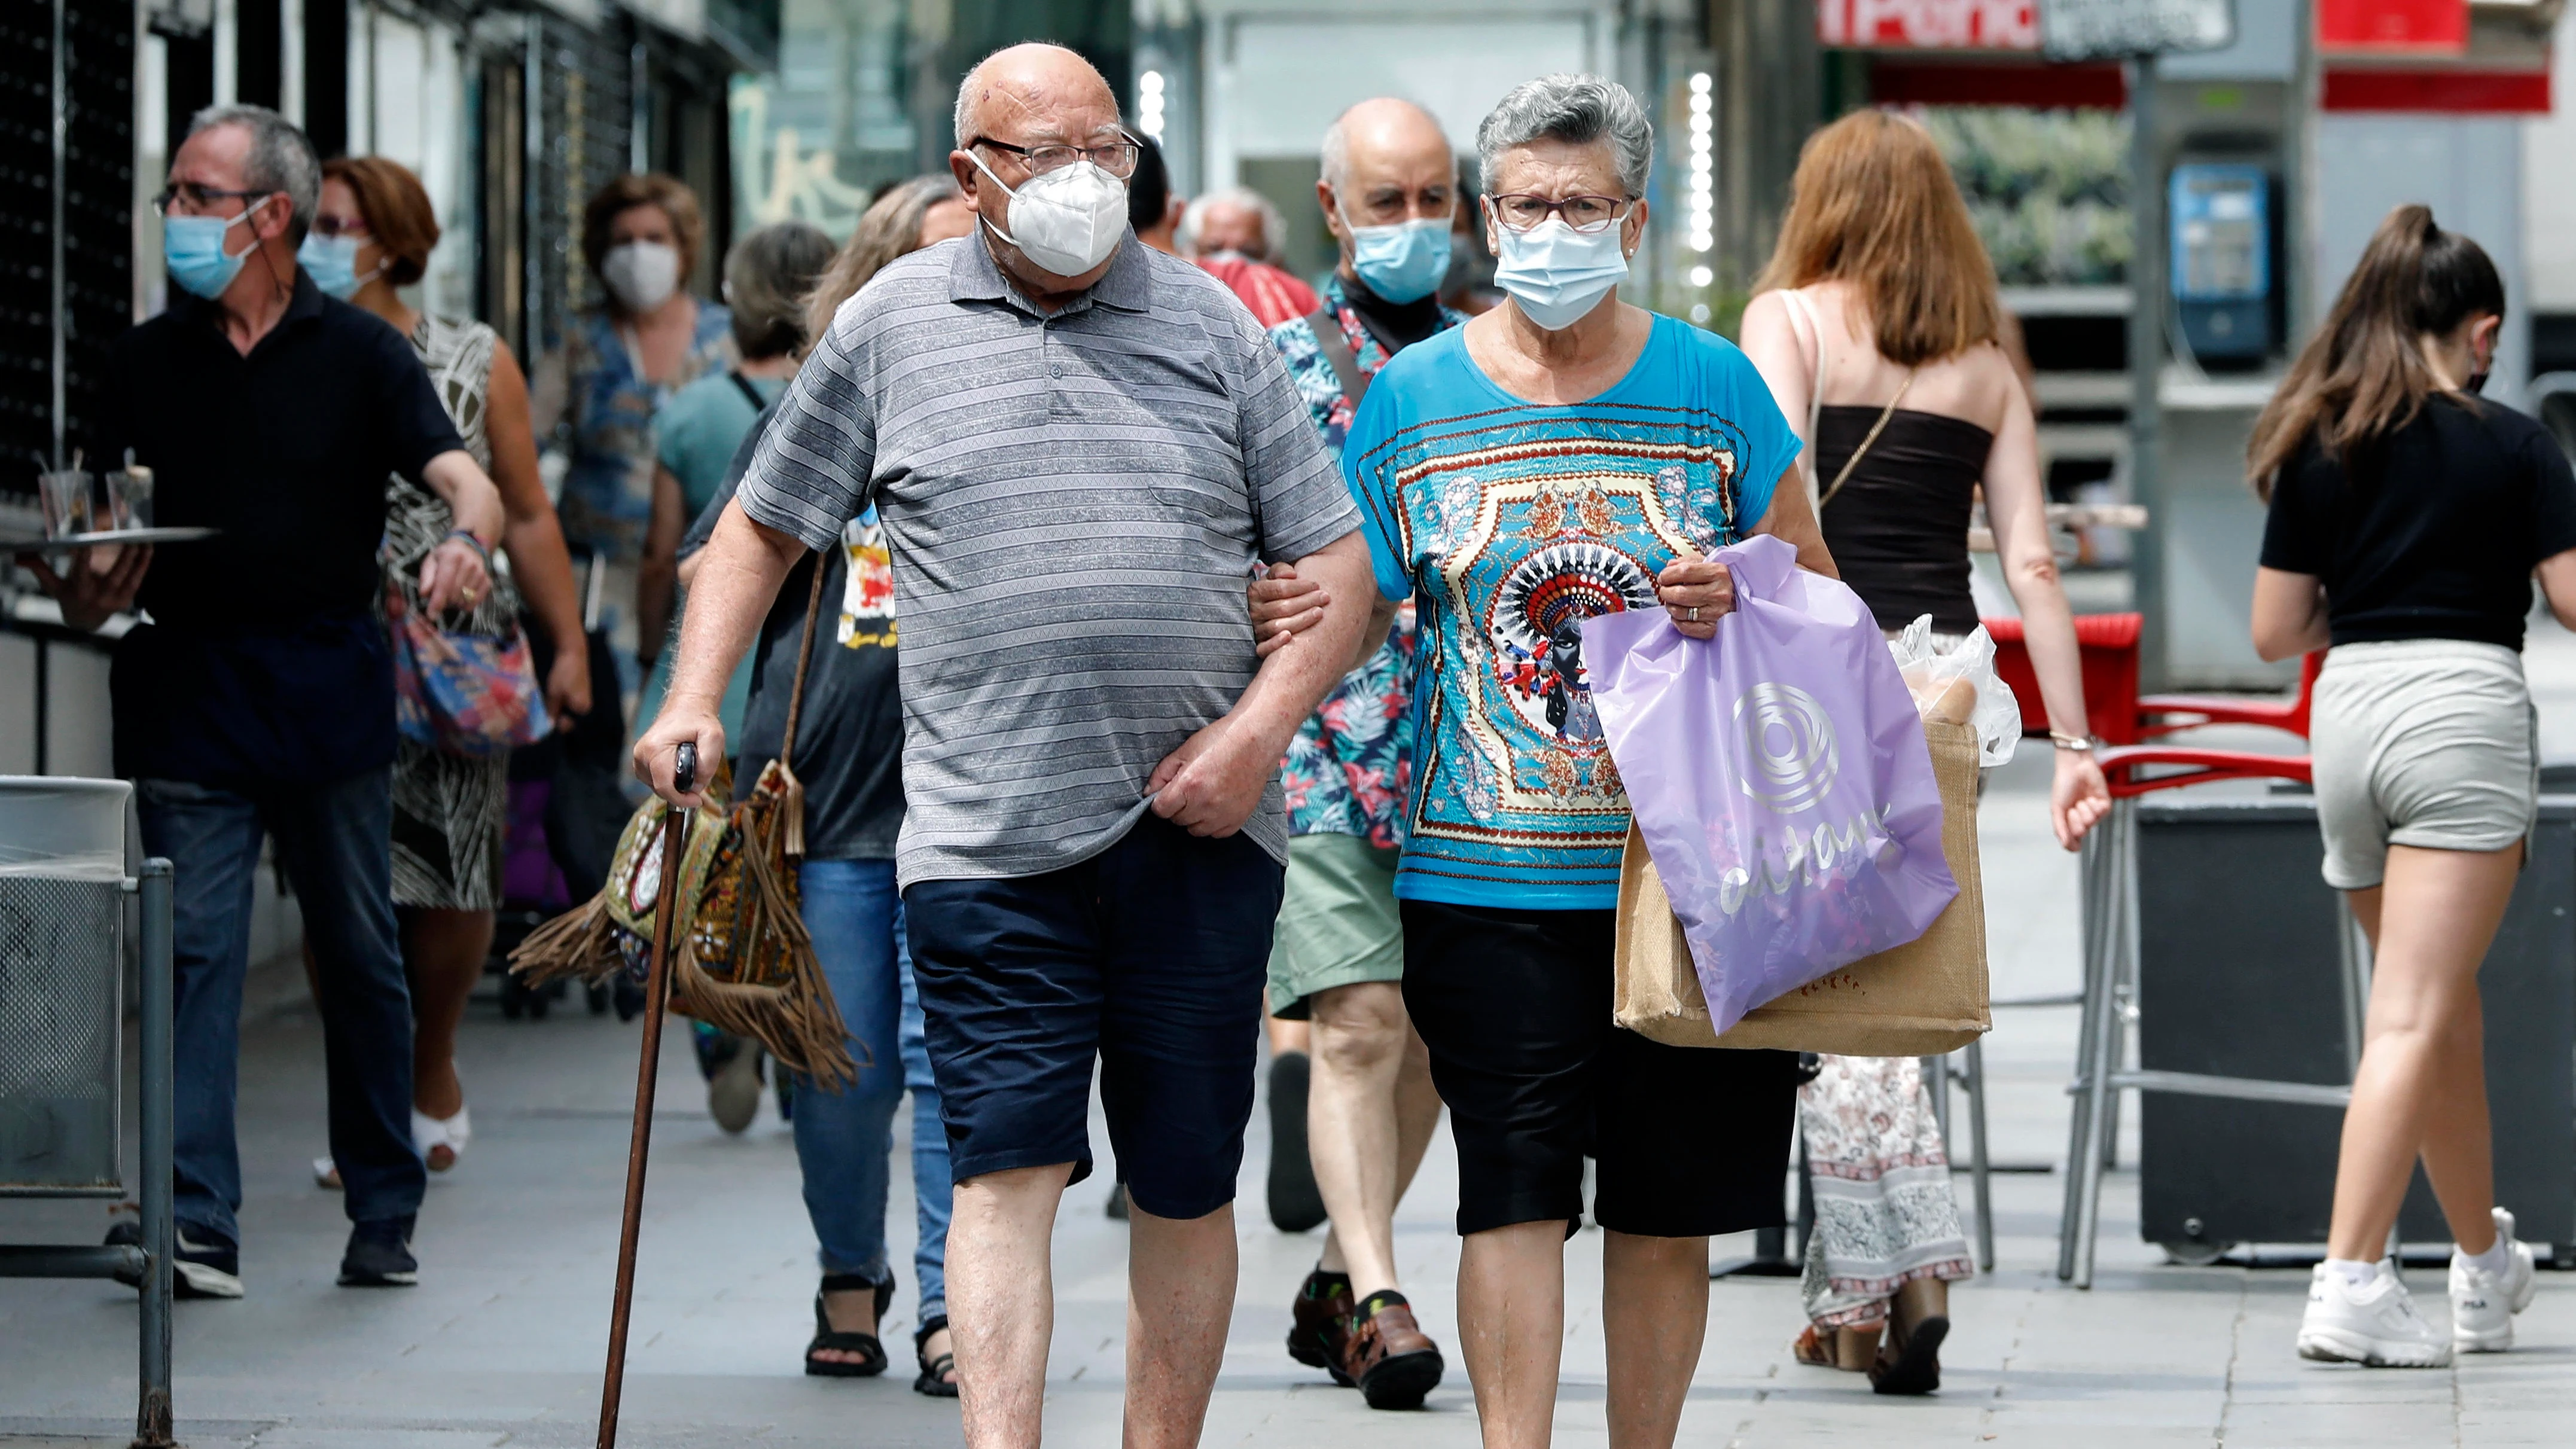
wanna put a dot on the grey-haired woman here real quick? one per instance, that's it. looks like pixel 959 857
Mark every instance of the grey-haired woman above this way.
pixel 1562 456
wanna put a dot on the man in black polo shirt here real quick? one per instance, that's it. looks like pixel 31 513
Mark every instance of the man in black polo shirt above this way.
pixel 259 696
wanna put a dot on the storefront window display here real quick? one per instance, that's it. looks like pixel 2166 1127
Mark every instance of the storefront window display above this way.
pixel 857 102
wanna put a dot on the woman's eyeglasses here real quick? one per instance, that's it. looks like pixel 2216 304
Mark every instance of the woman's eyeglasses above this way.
pixel 1520 211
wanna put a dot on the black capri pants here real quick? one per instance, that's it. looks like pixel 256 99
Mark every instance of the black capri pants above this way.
pixel 1515 1007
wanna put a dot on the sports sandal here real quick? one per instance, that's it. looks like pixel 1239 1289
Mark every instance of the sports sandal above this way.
pixel 934 1378
pixel 827 1339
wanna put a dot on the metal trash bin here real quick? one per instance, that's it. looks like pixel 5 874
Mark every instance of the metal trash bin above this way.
pixel 63 889
pixel 62 985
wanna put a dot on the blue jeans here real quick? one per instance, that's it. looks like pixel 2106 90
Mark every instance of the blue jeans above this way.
pixel 334 841
pixel 845 1139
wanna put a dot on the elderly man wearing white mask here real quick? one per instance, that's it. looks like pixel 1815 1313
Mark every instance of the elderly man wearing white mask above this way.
pixel 1077 447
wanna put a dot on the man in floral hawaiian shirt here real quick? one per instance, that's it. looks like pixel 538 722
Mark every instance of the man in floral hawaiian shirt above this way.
pixel 1389 185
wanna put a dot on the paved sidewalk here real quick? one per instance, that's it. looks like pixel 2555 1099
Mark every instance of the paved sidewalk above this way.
pixel 501 1344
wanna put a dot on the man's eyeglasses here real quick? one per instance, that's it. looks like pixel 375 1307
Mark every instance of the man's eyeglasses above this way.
pixel 1118 158
pixel 193 197
pixel 1519 211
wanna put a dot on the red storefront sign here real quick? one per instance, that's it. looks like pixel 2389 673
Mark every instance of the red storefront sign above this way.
pixel 2392 27
pixel 1928 24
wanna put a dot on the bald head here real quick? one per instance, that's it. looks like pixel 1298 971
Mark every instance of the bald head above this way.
pixel 1035 84
pixel 1385 162
pixel 1382 128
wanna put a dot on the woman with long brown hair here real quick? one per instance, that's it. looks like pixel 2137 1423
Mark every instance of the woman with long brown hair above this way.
pixel 2407 519
pixel 1876 324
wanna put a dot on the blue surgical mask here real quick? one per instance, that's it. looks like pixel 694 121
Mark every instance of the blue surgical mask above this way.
pixel 332 262
pixel 192 249
pixel 1403 262
pixel 1557 275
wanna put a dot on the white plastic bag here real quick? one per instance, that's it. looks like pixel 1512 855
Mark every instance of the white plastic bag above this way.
pixel 1959 686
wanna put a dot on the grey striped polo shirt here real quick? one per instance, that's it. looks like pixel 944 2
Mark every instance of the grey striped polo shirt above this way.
pixel 1073 502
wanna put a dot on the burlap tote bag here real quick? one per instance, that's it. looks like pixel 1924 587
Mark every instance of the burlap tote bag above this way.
pixel 1923 998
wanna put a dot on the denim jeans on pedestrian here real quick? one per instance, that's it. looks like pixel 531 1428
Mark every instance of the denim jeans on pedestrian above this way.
pixel 334 842
pixel 845 1140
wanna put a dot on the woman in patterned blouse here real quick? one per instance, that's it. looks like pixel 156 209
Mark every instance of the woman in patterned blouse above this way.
pixel 449 810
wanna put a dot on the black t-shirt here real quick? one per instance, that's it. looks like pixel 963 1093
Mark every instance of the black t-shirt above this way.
pixel 849 739
pixel 2434 532
pixel 261 662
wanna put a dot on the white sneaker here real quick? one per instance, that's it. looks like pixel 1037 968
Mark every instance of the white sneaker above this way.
pixel 2375 1324
pixel 2482 1308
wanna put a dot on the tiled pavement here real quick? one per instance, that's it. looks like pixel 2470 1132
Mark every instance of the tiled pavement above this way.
pixel 502 1342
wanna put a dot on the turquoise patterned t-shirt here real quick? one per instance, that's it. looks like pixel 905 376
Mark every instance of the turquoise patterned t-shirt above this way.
pixel 1510 523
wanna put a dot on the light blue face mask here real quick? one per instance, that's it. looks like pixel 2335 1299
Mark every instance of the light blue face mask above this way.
pixel 192 249
pixel 332 262
pixel 1557 275
pixel 1402 262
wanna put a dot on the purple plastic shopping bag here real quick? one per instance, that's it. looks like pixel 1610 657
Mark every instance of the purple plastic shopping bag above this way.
pixel 1779 776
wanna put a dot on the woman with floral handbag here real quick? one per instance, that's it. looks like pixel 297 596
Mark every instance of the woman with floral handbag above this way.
pixel 466 692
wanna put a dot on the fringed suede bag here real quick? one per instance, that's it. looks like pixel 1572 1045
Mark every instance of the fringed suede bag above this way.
pixel 745 963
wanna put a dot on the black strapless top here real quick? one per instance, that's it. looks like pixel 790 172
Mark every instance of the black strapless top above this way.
pixel 1899 527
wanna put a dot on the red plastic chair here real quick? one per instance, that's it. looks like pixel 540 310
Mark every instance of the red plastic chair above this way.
pixel 2290 714
pixel 2108 646
pixel 2121 764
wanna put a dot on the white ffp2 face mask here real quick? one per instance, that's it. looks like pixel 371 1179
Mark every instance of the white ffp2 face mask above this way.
pixel 1557 275
pixel 643 274
pixel 1067 221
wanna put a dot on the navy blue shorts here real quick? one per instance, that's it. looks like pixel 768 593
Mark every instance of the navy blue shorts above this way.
pixel 1151 955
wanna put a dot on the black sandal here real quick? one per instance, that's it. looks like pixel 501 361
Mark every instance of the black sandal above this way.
pixel 1914 1366
pixel 827 1339
pixel 933 1379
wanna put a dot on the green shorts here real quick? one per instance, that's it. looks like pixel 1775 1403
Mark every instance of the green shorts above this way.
pixel 1337 922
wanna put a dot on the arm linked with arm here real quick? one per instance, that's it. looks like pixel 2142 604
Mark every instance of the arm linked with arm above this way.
pixel 1213 782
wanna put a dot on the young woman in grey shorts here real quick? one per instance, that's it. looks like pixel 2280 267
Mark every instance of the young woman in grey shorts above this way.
pixel 2407 520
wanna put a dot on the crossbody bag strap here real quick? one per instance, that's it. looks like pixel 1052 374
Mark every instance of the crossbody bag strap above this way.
pixel 804 657
pixel 750 393
pixel 1875 429
pixel 1337 350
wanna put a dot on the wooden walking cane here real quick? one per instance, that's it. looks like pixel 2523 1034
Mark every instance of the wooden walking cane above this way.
pixel 657 999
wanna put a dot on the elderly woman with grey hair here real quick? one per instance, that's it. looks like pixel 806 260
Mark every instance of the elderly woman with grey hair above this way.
pixel 1562 456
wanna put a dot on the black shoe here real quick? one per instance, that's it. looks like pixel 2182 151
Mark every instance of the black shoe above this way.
pixel 1296 1204
pixel 379 1255
pixel 207 1268
pixel 1117 1208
